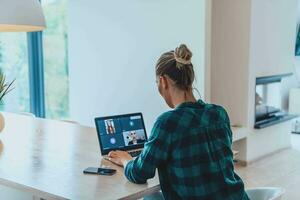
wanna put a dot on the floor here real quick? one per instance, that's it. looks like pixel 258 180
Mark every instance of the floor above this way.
pixel 279 170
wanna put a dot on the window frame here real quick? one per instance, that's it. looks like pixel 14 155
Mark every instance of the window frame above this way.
pixel 36 73
pixel 36 70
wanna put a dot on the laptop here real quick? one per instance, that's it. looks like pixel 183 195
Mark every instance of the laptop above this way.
pixel 121 132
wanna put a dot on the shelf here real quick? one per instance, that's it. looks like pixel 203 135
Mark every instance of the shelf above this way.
pixel 239 133
pixel 235 153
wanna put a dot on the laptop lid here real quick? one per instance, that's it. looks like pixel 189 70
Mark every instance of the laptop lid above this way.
pixel 121 132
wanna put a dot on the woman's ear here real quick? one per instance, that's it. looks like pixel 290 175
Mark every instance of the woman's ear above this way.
pixel 164 82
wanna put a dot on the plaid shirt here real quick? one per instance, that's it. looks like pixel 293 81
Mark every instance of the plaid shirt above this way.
pixel 191 148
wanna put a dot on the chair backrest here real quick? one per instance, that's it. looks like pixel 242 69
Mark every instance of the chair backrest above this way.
pixel 265 193
pixel 69 121
pixel 27 114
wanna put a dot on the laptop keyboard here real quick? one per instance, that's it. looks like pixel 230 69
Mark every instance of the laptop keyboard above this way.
pixel 135 153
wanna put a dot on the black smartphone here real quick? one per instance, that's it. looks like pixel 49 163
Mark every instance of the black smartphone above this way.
pixel 100 171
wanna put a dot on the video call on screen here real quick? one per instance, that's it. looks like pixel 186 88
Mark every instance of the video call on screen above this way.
pixel 121 132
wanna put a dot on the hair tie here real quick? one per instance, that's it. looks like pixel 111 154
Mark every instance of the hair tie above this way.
pixel 181 60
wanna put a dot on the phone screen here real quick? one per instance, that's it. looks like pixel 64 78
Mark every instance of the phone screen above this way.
pixel 101 171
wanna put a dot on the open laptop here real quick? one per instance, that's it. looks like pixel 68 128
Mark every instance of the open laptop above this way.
pixel 121 132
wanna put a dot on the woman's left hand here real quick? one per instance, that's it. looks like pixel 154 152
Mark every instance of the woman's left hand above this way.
pixel 120 158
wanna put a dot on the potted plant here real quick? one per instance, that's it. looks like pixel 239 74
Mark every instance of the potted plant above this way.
pixel 5 88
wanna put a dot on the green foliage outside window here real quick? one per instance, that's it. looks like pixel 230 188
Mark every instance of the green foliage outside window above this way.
pixel 14 64
pixel 56 59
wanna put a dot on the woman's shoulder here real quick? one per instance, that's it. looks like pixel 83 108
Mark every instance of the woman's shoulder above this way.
pixel 216 112
pixel 209 113
pixel 169 118
pixel 215 107
pixel 166 116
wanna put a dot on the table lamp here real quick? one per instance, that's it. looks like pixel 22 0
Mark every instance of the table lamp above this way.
pixel 21 16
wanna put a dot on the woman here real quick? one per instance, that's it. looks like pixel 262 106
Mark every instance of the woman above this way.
pixel 189 145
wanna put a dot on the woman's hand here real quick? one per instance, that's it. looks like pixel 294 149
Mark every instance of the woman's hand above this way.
pixel 120 158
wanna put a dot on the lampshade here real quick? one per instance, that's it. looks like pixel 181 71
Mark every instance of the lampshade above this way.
pixel 21 16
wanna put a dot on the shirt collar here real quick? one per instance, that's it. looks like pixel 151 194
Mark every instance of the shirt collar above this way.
pixel 191 104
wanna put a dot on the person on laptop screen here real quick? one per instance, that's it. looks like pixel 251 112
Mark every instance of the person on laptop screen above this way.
pixel 190 145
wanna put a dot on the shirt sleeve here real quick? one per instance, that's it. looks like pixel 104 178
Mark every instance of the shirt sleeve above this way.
pixel 228 125
pixel 224 118
pixel 155 153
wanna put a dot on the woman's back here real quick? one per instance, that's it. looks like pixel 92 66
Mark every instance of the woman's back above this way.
pixel 200 162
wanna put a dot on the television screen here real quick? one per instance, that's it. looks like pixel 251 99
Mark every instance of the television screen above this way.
pixel 269 109
pixel 267 100
pixel 297 49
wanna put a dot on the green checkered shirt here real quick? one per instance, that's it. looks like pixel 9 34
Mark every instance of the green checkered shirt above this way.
pixel 191 148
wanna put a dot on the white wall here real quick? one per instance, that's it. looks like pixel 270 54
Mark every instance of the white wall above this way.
pixel 207 60
pixel 297 59
pixel 273 32
pixel 273 29
pixel 113 48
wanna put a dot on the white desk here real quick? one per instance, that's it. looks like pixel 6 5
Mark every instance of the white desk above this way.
pixel 46 158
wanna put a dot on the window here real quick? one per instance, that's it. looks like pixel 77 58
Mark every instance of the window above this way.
pixel 23 55
pixel 55 47
pixel 14 65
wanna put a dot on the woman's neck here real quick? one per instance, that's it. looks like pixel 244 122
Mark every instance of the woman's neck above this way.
pixel 182 97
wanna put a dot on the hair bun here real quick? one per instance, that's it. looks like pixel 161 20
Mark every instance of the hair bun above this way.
pixel 183 55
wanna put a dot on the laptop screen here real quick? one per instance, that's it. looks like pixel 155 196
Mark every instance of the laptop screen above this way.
pixel 122 132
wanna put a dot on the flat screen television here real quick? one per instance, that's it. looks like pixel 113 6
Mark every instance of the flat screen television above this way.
pixel 297 48
pixel 268 106
pixel 267 101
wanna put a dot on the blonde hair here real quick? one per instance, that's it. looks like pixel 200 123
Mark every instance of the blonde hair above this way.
pixel 177 65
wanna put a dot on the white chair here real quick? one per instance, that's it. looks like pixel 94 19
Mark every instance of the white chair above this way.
pixel 265 193
pixel 27 114
pixel 70 121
